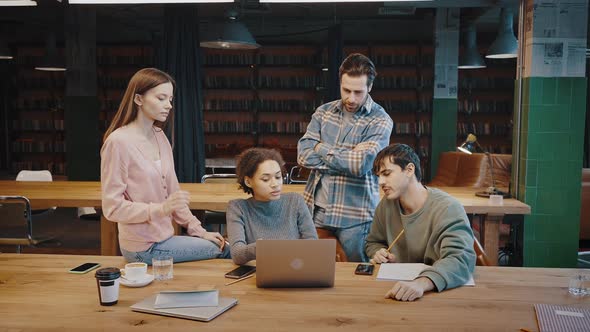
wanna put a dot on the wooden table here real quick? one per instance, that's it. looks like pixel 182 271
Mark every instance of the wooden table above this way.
pixel 37 294
pixel 215 196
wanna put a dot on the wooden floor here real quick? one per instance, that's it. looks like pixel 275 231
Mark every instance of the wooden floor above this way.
pixel 72 236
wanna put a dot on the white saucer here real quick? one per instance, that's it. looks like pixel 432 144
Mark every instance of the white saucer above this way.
pixel 137 283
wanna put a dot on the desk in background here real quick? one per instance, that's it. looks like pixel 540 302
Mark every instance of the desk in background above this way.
pixel 37 293
pixel 215 196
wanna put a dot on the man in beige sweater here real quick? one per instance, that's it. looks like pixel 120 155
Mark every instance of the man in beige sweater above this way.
pixel 436 228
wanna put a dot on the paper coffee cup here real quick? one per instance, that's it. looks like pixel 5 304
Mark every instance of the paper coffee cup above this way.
pixel 107 280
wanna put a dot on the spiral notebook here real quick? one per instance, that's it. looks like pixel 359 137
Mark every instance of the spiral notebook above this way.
pixel 203 314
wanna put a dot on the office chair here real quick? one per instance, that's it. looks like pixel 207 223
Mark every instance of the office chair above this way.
pixel 42 176
pixel 16 228
pixel 217 217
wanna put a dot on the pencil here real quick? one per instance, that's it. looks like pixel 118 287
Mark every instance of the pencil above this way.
pixel 395 240
pixel 238 280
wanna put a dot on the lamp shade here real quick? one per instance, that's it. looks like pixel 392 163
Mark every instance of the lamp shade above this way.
pixel 470 58
pixel 231 34
pixel 470 145
pixel 5 53
pixel 505 46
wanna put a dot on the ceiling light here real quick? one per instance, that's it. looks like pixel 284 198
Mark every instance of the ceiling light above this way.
pixel 17 3
pixel 470 58
pixel 122 2
pixel 232 34
pixel 505 45
pixel 51 61
pixel 334 1
pixel 5 53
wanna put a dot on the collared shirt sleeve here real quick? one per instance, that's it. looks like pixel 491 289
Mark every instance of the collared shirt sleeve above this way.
pixel 358 161
pixel 306 156
pixel 304 221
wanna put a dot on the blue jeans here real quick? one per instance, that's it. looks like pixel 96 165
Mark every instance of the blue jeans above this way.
pixel 352 239
pixel 181 248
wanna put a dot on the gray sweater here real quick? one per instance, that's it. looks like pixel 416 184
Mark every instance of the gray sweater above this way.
pixel 438 234
pixel 248 220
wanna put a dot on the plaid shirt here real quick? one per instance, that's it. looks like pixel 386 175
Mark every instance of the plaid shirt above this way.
pixel 347 153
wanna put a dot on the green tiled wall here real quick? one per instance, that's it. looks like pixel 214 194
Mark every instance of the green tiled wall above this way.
pixel 444 129
pixel 551 152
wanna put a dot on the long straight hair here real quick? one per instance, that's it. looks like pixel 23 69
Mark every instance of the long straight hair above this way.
pixel 142 81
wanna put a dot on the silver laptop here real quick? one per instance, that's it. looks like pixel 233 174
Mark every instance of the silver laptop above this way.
pixel 295 263
pixel 203 314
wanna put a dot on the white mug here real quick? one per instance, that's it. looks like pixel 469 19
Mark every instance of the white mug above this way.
pixel 135 271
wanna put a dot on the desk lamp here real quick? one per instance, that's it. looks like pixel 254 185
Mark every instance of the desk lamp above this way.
pixel 471 145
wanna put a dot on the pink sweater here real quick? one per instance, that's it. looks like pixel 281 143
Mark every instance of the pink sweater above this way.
pixel 133 190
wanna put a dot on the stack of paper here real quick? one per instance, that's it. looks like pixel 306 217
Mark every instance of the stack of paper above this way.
pixel 406 271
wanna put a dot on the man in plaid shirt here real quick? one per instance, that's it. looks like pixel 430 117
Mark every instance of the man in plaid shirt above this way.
pixel 340 144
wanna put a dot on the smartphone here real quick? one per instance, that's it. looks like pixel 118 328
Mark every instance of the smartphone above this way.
pixel 364 269
pixel 84 268
pixel 240 272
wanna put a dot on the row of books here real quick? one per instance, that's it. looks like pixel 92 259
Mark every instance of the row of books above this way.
pixel 228 104
pixel 56 168
pixel 401 82
pixel 487 82
pixel 288 105
pixel 505 149
pixel 270 82
pixel 484 128
pixel 290 82
pixel 111 82
pixel 236 127
pixel 40 82
pixel 406 106
pixel 228 82
pixel 38 103
pixel 488 106
pixel 281 127
pixel 225 149
pixel 418 128
pixel 34 124
pixel 135 60
pixel 38 146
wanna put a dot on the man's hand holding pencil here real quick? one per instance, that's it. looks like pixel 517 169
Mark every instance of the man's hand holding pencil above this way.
pixel 384 255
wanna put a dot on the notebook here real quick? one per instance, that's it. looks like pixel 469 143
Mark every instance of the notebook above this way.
pixel 203 314
pixel 557 318
pixel 295 263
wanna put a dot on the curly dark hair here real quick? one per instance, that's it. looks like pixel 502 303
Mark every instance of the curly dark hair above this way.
pixel 248 161
pixel 401 155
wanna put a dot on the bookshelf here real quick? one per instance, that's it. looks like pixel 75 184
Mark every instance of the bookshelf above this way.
pixel 403 87
pixel 36 120
pixel 115 66
pixel 260 98
pixel 486 99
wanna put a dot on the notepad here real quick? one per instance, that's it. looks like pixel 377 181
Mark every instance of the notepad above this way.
pixel 562 318
pixel 186 299
pixel 406 272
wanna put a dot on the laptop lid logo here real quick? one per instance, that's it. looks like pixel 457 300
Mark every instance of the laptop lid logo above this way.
pixel 296 264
